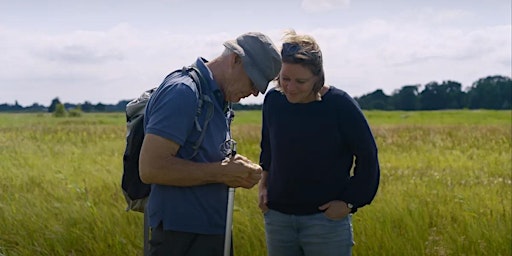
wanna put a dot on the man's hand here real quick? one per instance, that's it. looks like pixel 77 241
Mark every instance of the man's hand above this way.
pixel 242 172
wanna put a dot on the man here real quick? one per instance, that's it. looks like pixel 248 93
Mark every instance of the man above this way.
pixel 188 202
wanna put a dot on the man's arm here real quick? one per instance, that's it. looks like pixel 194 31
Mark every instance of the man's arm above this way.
pixel 158 164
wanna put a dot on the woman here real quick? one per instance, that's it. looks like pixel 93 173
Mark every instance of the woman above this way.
pixel 312 137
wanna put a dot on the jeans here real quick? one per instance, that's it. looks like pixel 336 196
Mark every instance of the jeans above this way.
pixel 307 235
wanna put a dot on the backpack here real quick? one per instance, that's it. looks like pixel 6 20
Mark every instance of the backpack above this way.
pixel 134 190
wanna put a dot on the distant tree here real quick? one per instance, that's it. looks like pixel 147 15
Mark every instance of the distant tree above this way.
pixel 447 95
pixel 76 112
pixel 431 98
pixel 53 105
pixel 455 97
pixel 14 108
pixel 238 106
pixel 375 100
pixel 68 106
pixel 406 98
pixel 492 92
pixel 121 105
pixel 36 108
pixel 60 110
pixel 100 107
pixel 87 107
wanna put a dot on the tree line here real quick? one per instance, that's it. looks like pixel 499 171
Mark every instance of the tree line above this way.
pixel 492 92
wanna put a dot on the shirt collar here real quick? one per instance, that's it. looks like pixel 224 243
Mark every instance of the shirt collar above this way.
pixel 212 85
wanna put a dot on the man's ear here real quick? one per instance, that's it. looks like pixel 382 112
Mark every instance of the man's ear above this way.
pixel 238 59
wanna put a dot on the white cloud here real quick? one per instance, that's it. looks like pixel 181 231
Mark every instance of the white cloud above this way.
pixel 388 54
pixel 324 5
pixel 99 66
pixel 108 64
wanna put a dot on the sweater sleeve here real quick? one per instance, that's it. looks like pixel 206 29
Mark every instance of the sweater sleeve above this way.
pixel 364 183
pixel 265 140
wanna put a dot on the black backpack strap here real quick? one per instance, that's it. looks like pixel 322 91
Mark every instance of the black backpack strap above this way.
pixel 200 82
pixel 198 79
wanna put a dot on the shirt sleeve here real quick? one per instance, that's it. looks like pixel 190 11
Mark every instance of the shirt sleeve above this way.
pixel 171 112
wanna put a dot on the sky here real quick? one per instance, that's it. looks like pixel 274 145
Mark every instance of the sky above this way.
pixel 104 51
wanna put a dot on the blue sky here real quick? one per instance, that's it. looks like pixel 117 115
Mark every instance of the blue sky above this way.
pixel 111 50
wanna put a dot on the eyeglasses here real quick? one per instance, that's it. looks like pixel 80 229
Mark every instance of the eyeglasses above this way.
pixel 292 52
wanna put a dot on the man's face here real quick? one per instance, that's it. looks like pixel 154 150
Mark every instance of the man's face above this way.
pixel 241 85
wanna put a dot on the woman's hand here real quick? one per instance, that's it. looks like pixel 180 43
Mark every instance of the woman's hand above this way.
pixel 335 209
pixel 262 196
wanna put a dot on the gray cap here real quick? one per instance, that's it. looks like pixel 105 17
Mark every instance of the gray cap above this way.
pixel 260 58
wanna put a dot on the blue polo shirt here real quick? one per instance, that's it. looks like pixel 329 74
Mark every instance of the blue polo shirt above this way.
pixel 170 113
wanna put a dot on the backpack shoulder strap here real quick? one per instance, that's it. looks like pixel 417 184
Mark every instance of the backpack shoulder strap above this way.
pixel 202 98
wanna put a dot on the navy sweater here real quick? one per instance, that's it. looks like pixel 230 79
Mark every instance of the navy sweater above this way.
pixel 309 150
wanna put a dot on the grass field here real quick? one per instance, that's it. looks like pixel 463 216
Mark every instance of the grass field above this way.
pixel 446 186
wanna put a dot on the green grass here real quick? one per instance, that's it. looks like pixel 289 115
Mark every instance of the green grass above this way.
pixel 446 186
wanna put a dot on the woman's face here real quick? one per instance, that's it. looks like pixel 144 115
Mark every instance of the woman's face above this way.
pixel 297 83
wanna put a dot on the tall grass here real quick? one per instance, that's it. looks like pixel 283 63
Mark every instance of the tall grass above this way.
pixel 445 186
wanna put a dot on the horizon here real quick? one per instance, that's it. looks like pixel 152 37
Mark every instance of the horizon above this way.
pixel 421 87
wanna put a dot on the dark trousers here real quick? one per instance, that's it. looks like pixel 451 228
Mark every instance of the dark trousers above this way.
pixel 175 243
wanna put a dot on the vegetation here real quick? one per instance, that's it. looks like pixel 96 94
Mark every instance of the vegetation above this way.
pixel 492 92
pixel 76 112
pixel 59 111
pixel 445 186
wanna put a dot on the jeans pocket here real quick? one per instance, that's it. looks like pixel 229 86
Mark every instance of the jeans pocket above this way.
pixel 332 219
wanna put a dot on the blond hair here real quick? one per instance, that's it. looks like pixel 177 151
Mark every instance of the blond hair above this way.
pixel 308 55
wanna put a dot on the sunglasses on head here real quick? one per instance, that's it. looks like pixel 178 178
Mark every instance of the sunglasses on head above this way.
pixel 295 53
